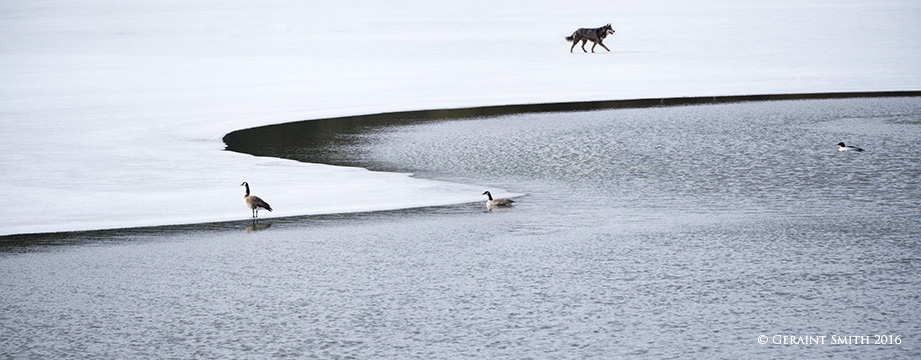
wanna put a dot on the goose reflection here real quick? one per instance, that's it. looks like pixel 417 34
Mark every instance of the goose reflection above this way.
pixel 257 227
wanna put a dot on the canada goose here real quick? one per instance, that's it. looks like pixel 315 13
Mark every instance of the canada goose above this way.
pixel 842 147
pixel 490 204
pixel 254 202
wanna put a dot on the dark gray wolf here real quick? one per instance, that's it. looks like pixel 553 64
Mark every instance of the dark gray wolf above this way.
pixel 596 35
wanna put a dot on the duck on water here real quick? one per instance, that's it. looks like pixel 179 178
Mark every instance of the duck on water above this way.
pixel 842 147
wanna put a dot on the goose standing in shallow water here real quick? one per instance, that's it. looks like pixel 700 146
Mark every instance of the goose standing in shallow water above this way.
pixel 254 202
pixel 497 203
pixel 842 147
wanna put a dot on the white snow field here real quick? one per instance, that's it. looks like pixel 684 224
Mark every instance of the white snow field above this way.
pixel 112 111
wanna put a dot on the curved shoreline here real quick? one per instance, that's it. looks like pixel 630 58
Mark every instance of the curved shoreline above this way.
pixel 236 140
pixel 242 140
pixel 317 140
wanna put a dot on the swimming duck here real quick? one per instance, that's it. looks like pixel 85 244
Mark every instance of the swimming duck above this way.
pixel 842 147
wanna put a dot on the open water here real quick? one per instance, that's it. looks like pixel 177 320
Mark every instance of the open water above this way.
pixel 710 231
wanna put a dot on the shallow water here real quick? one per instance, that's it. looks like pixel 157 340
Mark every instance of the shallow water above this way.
pixel 643 233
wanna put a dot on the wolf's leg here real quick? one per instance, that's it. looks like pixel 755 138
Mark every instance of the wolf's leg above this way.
pixel 583 45
pixel 602 45
pixel 574 42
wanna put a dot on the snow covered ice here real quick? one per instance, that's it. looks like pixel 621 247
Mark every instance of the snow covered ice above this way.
pixel 112 112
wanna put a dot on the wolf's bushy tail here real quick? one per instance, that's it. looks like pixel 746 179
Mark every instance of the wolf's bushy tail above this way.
pixel 569 38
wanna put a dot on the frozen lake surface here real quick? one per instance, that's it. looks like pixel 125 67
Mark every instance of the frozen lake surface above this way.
pixel 642 233
pixel 111 109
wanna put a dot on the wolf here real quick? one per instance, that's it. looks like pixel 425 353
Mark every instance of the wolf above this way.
pixel 596 35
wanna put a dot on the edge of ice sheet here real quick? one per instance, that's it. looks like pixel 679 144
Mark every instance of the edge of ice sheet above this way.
pixel 112 112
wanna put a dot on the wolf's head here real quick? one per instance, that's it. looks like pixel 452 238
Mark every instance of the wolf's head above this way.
pixel 608 30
